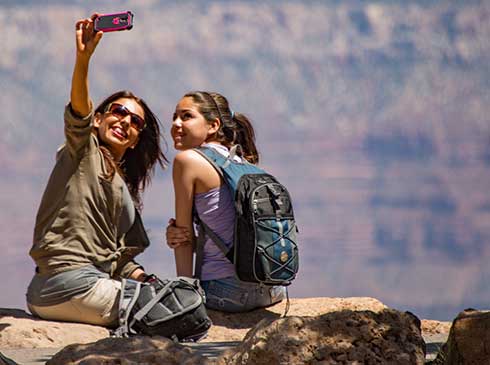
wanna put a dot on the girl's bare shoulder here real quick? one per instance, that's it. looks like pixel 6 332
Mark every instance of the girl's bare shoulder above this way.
pixel 189 158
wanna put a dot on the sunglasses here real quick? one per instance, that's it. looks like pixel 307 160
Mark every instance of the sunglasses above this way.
pixel 120 111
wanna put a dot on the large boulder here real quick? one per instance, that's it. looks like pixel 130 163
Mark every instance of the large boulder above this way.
pixel 344 337
pixel 468 341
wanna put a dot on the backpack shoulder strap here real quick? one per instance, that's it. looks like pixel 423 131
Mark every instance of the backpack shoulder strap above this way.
pixel 204 230
pixel 213 157
pixel 130 290
pixel 219 162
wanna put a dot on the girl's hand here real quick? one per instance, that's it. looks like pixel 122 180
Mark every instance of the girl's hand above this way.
pixel 87 39
pixel 177 236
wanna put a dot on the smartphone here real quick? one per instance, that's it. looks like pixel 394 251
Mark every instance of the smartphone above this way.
pixel 114 22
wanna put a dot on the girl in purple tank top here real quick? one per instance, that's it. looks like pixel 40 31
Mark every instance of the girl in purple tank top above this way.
pixel 205 118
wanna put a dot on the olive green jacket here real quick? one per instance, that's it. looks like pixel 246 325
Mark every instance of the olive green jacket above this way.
pixel 77 221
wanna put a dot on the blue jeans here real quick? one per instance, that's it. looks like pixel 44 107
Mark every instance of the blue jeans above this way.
pixel 233 295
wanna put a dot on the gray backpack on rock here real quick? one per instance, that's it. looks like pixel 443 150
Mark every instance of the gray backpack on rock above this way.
pixel 172 308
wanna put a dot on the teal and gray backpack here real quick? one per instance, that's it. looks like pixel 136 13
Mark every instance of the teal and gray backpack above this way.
pixel 265 248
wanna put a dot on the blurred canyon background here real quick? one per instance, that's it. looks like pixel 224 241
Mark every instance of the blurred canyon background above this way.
pixel 375 115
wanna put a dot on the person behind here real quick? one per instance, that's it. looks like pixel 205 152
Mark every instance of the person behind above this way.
pixel 205 119
pixel 88 228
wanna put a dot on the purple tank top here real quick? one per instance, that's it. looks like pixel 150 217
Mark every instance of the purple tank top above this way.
pixel 215 208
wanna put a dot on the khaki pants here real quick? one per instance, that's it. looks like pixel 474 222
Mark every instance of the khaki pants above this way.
pixel 98 306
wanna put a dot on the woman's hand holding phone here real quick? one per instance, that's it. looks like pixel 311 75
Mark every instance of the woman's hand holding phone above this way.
pixel 86 37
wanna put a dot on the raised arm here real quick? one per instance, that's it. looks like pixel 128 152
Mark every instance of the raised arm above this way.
pixel 86 42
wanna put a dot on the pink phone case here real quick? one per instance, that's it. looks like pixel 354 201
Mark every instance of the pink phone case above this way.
pixel 114 22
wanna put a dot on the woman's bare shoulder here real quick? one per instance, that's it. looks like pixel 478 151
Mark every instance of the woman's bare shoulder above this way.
pixel 189 158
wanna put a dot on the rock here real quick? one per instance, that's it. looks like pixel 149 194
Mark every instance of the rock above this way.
pixel 233 327
pixel 468 341
pixel 343 337
pixel 431 327
pixel 21 330
pixel 127 351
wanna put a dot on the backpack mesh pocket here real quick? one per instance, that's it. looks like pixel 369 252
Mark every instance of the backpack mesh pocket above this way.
pixel 276 252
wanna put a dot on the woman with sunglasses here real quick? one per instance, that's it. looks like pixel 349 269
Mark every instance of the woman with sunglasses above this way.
pixel 88 228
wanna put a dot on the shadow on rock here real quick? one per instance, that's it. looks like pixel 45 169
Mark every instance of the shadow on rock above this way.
pixel 241 320
pixel 128 351
pixel 17 313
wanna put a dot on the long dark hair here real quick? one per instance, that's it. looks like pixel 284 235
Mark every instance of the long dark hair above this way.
pixel 138 164
pixel 235 128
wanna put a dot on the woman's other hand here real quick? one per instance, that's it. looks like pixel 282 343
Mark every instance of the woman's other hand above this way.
pixel 177 236
pixel 87 38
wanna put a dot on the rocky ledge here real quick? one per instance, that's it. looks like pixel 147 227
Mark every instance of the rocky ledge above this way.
pixel 316 330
